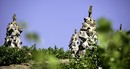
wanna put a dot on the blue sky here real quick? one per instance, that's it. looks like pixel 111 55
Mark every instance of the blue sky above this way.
pixel 55 20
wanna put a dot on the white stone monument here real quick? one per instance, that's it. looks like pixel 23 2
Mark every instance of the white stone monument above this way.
pixel 87 36
pixel 13 34
pixel 74 44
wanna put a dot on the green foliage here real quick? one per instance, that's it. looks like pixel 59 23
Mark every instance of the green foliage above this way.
pixel 44 60
pixel 32 37
pixel 89 61
pixel 56 52
pixel 116 51
pixel 13 56
pixel 59 53
pixel 114 48
pixel 104 25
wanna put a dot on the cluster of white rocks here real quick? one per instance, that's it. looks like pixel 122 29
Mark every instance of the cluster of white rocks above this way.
pixel 85 38
pixel 13 34
pixel 74 43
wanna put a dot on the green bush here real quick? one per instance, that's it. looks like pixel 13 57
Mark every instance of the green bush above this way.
pixel 114 47
pixel 13 55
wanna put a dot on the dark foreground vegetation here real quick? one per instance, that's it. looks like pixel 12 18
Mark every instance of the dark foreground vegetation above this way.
pixel 112 52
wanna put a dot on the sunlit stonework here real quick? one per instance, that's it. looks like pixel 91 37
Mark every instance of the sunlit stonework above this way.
pixel 87 36
pixel 74 43
pixel 13 34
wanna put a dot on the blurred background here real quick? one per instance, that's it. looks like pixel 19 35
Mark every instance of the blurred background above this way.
pixel 54 21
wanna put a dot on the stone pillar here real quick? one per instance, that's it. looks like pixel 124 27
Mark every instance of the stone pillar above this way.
pixel 74 44
pixel 87 36
pixel 13 35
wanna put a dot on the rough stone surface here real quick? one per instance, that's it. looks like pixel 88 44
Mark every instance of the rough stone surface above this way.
pixel 74 43
pixel 13 35
pixel 87 36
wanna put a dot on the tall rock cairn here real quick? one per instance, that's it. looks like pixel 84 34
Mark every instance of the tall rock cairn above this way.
pixel 87 36
pixel 74 44
pixel 13 34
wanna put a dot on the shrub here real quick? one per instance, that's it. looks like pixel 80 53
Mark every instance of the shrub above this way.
pixel 13 55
